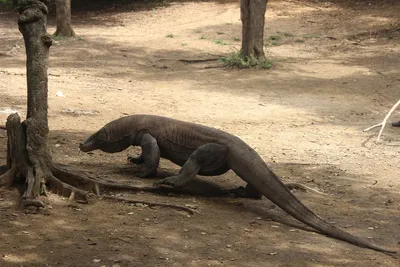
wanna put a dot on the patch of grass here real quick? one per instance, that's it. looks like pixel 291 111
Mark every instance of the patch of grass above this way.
pixel 266 65
pixel 219 33
pixel 275 37
pixel 236 39
pixel 311 36
pixel 389 37
pixel 275 43
pixel 288 34
pixel 6 2
pixel 80 38
pixel 184 44
pixel 299 41
pixel 235 60
pixel 220 42
pixel 197 31
pixel 169 35
pixel 203 37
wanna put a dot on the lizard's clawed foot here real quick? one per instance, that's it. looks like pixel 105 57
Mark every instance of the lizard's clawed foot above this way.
pixel 146 174
pixel 243 192
pixel 135 159
pixel 236 192
pixel 174 181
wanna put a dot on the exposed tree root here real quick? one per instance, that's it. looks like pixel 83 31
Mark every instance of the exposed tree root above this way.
pixel 198 60
pixel 65 33
pixel 149 203
pixel 214 67
pixel 65 189
pixel 383 123
pixel 304 188
pixel 32 169
pixel 6 178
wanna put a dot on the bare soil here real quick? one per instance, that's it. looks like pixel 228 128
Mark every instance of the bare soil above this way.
pixel 336 71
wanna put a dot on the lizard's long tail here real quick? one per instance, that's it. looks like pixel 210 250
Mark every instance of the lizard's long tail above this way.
pixel 254 171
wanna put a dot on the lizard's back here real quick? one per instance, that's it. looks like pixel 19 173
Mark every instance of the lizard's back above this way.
pixel 178 139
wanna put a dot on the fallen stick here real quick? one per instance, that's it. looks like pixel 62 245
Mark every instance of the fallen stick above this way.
pixel 197 60
pixel 304 188
pixel 383 123
pixel 149 203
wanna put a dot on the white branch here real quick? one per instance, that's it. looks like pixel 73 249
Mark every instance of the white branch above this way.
pixel 383 123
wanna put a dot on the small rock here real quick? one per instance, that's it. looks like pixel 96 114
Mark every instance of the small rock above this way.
pixel 96 260
pixel 203 233
pixel 273 253
pixel 228 246
pixel 60 94
pixel 191 206
pixel 114 248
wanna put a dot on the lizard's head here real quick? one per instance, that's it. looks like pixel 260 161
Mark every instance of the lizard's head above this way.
pixel 95 141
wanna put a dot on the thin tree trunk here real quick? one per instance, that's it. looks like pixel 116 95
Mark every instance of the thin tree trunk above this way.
pixel 32 25
pixel 253 20
pixel 63 17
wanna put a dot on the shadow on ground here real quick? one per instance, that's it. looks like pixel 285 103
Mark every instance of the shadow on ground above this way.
pixel 131 235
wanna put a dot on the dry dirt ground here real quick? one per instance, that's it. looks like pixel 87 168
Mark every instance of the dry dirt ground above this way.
pixel 336 71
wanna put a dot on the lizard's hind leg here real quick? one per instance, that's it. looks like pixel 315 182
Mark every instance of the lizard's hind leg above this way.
pixel 208 159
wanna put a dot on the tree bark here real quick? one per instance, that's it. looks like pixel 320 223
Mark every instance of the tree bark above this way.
pixel 32 25
pixel 253 19
pixel 63 18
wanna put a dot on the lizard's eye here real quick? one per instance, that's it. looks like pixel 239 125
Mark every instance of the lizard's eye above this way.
pixel 101 136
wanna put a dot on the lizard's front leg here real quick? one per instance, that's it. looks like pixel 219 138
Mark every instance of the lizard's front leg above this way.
pixel 150 156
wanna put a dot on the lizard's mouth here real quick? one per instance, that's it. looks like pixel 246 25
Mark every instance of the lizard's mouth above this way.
pixel 88 145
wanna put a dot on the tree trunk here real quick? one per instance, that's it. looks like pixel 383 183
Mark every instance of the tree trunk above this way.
pixel 33 148
pixel 253 18
pixel 63 17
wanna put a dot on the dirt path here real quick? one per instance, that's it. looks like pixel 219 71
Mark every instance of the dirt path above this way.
pixel 336 72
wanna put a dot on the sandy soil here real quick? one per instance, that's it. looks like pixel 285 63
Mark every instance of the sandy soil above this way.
pixel 335 72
